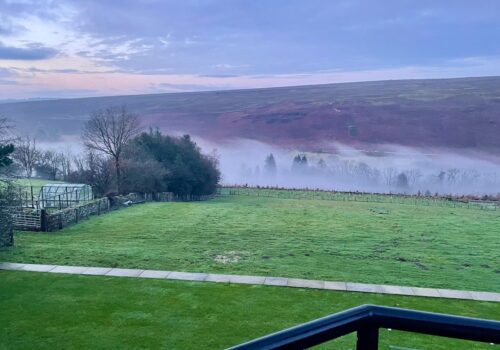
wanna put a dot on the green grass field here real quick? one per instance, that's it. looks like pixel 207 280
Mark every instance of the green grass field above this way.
pixel 35 182
pixel 349 241
pixel 49 311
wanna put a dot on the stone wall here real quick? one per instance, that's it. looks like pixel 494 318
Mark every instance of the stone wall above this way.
pixel 53 221
pixel 65 217
pixel 138 198
pixel 6 227
pixel 129 199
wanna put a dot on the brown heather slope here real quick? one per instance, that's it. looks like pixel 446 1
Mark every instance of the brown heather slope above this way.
pixel 451 113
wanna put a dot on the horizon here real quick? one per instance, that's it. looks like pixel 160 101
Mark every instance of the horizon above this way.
pixel 35 99
pixel 69 49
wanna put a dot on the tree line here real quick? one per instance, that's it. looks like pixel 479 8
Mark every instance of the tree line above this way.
pixel 120 156
pixel 349 174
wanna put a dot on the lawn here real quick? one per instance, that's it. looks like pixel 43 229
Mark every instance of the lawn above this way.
pixel 318 239
pixel 35 182
pixel 49 311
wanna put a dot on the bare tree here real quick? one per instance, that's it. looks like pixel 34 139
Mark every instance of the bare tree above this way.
pixel 26 154
pixel 413 176
pixel 65 164
pixel 389 175
pixel 93 169
pixel 49 164
pixel 108 131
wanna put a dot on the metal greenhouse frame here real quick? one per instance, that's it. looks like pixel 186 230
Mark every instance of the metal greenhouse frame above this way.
pixel 61 195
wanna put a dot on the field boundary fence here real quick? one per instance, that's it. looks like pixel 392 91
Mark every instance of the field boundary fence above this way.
pixel 306 194
pixel 27 218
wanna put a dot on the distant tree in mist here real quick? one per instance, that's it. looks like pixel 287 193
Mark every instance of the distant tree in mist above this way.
pixel 402 181
pixel 413 176
pixel 108 131
pixel 65 164
pixel 441 176
pixel 26 155
pixel 321 164
pixel 245 172
pixel 299 164
pixel 257 171
pixel 52 165
pixel 270 168
pixel 452 175
pixel 389 175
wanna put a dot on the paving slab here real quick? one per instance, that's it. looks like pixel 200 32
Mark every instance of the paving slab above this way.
pixel 302 283
pixel 258 280
pixel 247 279
pixel 124 272
pixel 399 290
pixel 96 271
pixel 485 296
pixel 37 267
pixel 69 269
pixel 187 276
pixel 154 274
pixel 454 294
pixel 331 285
pixel 213 277
pixel 364 288
pixel 425 292
pixel 11 266
pixel 276 281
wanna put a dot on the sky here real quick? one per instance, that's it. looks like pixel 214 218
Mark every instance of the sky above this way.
pixel 80 48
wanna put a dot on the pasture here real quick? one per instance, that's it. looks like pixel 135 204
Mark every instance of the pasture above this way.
pixel 388 243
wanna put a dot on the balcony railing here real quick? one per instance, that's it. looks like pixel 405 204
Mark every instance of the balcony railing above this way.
pixel 366 320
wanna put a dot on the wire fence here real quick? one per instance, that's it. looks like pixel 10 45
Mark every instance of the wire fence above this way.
pixel 306 194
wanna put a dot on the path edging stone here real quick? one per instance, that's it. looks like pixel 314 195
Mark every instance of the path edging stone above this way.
pixel 257 280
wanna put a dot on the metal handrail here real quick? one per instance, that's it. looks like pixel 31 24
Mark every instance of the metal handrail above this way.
pixel 366 320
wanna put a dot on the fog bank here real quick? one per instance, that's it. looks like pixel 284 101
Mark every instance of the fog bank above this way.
pixel 396 169
pixel 386 169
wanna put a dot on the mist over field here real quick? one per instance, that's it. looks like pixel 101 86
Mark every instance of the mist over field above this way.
pixel 380 168
pixel 386 169
pixel 394 169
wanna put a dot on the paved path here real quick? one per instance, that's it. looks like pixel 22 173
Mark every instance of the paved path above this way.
pixel 257 280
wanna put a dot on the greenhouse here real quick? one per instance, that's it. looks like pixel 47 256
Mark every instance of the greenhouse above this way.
pixel 61 195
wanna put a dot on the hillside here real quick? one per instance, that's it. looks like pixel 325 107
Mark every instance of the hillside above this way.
pixel 454 113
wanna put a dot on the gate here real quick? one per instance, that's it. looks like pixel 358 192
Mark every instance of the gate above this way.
pixel 27 221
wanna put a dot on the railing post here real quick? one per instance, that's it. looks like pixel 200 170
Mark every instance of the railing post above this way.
pixel 367 338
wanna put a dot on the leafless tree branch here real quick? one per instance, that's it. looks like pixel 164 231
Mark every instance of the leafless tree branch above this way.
pixel 108 131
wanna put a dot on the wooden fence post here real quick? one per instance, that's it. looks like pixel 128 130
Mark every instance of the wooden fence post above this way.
pixel 43 221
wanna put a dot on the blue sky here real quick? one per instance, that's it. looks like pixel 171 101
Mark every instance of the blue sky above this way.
pixel 104 47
